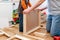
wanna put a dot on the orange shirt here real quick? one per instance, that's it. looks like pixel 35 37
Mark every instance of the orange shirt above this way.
pixel 24 4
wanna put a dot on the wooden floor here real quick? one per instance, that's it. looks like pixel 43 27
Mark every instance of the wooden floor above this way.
pixel 41 33
pixel 12 33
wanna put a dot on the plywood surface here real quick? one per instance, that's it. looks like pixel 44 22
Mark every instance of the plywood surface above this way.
pixel 46 37
pixel 31 20
pixel 9 32
pixel 3 37
pixel 15 39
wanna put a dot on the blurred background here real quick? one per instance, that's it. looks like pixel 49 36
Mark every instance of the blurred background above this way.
pixel 8 11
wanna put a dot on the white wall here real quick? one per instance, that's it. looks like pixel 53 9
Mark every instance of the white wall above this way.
pixel 5 14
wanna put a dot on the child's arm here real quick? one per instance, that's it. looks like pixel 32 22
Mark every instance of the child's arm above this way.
pixel 33 7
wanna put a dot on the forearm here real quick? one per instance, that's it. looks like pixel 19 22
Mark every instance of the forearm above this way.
pixel 43 8
pixel 37 4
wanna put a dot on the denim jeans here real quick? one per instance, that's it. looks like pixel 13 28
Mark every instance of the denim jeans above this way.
pixel 20 22
pixel 53 25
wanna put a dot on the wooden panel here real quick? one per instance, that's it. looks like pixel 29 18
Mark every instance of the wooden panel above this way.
pixel 3 37
pixel 9 32
pixel 15 39
pixel 31 21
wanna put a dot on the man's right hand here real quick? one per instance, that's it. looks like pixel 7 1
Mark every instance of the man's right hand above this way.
pixel 26 11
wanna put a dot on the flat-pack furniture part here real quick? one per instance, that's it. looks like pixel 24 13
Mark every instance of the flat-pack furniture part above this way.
pixel 17 37
pixel 31 21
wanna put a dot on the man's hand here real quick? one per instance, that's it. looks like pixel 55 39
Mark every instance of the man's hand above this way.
pixel 26 11
pixel 33 7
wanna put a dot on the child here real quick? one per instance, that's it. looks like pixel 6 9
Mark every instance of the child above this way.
pixel 23 4
pixel 53 19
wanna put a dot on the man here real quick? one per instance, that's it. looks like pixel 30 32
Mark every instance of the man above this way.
pixel 53 19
